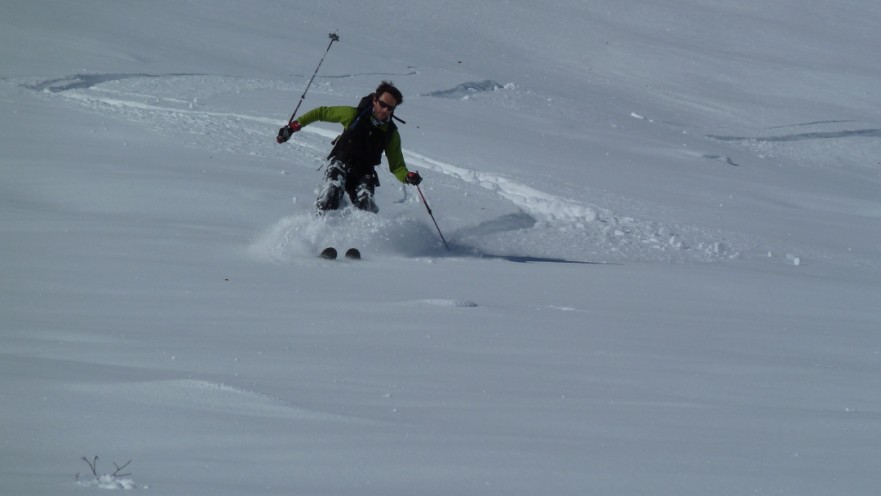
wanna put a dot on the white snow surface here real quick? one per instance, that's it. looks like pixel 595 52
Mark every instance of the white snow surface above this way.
pixel 664 222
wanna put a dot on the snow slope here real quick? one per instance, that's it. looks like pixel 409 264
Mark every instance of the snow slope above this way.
pixel 665 237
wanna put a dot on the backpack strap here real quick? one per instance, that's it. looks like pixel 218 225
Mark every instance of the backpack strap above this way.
pixel 363 108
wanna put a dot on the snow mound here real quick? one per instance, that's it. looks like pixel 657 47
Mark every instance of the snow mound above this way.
pixel 108 482
pixel 531 222
pixel 465 90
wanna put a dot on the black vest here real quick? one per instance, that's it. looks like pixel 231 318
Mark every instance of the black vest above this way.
pixel 361 145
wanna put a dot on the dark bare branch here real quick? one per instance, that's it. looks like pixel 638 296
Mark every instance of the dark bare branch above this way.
pixel 92 465
pixel 118 469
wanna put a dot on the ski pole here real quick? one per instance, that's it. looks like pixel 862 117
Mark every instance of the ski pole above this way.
pixel 432 217
pixel 333 37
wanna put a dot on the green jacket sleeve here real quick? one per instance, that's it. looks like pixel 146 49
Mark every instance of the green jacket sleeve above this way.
pixel 395 157
pixel 344 115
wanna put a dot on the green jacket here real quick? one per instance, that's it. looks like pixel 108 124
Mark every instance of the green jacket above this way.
pixel 345 116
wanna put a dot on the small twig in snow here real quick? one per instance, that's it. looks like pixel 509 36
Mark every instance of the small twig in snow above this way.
pixel 92 465
pixel 118 469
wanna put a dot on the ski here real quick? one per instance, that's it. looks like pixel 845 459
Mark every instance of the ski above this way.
pixel 330 253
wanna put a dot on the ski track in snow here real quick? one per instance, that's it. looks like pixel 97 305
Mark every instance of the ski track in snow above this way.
pixel 553 209
pixel 171 104
pixel 204 396
pixel 441 302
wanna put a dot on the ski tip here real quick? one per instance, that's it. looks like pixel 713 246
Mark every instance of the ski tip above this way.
pixel 330 253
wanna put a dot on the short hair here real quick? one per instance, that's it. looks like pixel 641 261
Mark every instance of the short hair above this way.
pixel 389 87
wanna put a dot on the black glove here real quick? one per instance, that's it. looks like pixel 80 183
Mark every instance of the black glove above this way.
pixel 413 178
pixel 285 133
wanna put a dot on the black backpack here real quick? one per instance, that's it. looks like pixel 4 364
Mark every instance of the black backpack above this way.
pixel 364 107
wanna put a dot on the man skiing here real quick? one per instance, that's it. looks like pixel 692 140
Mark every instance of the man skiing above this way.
pixel 368 131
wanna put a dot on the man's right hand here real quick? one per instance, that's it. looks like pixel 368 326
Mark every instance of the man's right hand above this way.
pixel 285 133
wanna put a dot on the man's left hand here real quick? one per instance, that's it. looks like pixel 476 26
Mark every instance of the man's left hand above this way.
pixel 413 178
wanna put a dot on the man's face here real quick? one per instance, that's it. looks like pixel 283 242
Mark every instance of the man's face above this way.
pixel 383 106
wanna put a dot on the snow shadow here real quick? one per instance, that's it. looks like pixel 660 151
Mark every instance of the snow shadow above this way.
pixel 529 259
pixel 509 222
pixel 854 133
pixel 86 81
pixel 466 89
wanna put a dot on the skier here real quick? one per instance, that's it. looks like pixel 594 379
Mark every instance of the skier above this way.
pixel 368 132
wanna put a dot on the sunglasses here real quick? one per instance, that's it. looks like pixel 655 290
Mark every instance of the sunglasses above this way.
pixel 386 106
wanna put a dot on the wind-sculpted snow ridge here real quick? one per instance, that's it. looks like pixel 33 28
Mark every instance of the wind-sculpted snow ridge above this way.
pixel 202 396
pixel 551 225
pixel 184 106
pixel 514 219
pixel 465 90
pixel 553 209
pixel 441 302
pixel 814 139
pixel 818 135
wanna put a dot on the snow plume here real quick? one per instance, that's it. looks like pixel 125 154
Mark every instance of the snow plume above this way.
pixel 306 234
